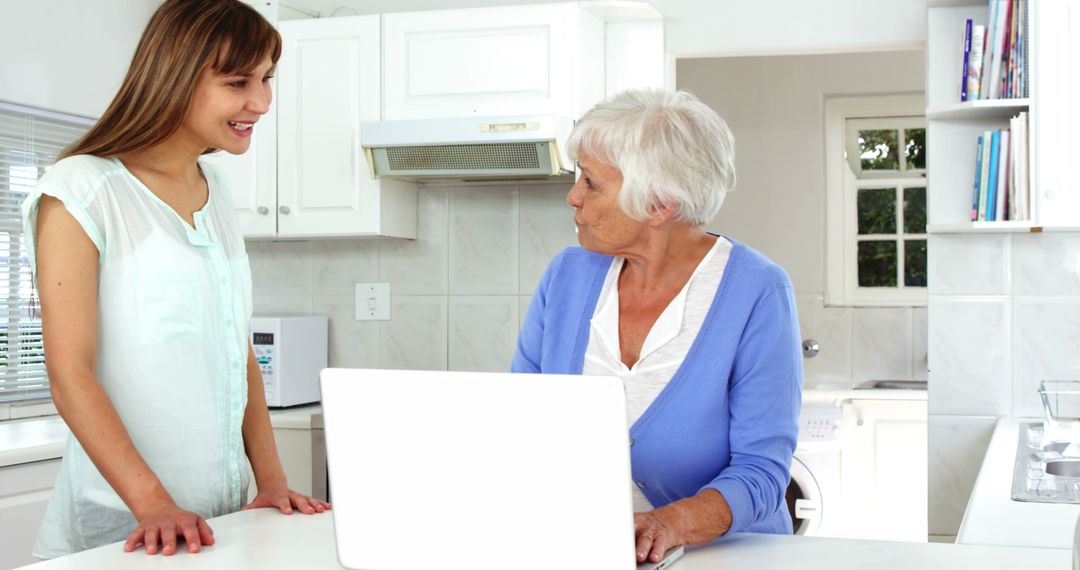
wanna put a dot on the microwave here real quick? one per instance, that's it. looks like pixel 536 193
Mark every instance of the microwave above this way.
pixel 291 352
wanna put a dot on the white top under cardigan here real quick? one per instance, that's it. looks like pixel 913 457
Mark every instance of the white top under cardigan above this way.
pixel 174 302
pixel 666 345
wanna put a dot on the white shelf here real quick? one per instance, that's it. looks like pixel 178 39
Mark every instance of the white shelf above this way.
pixel 1022 227
pixel 954 3
pixel 981 109
pixel 983 228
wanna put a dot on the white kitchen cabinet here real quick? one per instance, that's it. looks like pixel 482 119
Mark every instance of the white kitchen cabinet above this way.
pixel 294 450
pixel 559 59
pixel 1056 150
pixel 532 60
pixel 328 82
pixel 24 493
pixel 884 470
pixel 252 179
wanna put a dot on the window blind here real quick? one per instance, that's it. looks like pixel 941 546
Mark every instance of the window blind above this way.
pixel 30 140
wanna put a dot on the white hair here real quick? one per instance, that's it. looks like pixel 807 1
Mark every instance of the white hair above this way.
pixel 671 149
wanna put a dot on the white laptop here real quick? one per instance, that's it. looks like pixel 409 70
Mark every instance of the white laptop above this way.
pixel 478 470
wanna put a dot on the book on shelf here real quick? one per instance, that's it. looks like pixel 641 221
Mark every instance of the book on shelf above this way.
pixel 992 179
pixel 984 176
pixel 1002 193
pixel 978 179
pixel 995 56
pixel 967 55
pixel 1001 190
pixel 973 61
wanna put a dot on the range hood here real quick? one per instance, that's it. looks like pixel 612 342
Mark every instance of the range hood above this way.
pixel 525 146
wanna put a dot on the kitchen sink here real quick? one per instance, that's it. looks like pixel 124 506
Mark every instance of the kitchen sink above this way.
pixel 1047 468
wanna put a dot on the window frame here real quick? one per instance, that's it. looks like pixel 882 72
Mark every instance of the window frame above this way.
pixel 842 185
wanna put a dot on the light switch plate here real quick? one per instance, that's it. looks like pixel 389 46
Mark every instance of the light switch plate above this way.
pixel 373 301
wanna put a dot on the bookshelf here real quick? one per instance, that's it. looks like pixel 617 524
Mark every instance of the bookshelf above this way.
pixel 1053 111
pixel 984 109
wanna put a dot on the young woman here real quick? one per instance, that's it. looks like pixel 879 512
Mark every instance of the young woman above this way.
pixel 146 296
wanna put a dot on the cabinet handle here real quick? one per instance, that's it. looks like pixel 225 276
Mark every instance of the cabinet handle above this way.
pixel 262 210
pixel 283 210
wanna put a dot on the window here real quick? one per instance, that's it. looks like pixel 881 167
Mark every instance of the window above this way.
pixel 30 140
pixel 876 185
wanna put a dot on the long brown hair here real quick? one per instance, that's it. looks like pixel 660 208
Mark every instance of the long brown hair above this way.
pixel 183 38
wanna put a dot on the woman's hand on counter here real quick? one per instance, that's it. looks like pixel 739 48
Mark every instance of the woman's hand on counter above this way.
pixel 285 500
pixel 164 526
pixel 693 520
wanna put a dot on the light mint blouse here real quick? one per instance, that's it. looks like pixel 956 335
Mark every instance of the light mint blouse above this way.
pixel 174 302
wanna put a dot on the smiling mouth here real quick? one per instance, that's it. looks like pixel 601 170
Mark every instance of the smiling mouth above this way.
pixel 241 126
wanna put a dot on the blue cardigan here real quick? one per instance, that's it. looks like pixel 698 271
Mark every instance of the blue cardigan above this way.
pixel 728 418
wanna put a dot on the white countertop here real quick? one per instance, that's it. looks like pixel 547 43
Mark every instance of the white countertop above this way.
pixel 40 439
pixel 35 439
pixel 993 518
pixel 294 418
pixel 267 540
pixel 822 392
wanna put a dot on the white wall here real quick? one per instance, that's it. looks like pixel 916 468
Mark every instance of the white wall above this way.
pixel 775 107
pixel 68 55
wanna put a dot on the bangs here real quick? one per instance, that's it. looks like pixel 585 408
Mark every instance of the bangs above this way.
pixel 260 40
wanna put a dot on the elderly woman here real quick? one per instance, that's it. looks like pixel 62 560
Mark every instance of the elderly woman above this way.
pixel 701 328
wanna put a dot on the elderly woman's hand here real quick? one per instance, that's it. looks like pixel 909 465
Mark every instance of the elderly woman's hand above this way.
pixel 693 520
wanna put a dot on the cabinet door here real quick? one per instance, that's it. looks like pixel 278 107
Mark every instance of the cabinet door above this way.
pixel 24 494
pixel 484 62
pixel 884 470
pixel 329 82
pixel 294 450
pixel 1056 89
pixel 252 179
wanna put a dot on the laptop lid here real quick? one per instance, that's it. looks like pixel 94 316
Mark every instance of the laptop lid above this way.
pixel 479 470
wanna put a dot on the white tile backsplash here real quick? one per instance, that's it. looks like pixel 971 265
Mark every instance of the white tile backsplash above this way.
pixel 281 305
pixel 919 346
pixel 280 268
pixel 831 328
pixel 1046 264
pixel 1046 344
pixel 419 267
pixel 881 343
pixel 968 265
pixel 523 309
pixel 483 332
pixel 353 343
pixel 547 226
pixel 484 241
pixel 339 264
pixel 969 346
pixel 956 447
pixel 415 337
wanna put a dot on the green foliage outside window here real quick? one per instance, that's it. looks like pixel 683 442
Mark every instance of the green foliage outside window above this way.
pixel 877 263
pixel 877 211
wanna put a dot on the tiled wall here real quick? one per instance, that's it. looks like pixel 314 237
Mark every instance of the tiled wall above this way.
pixel 458 292
pixel 1004 315
pixel 862 343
